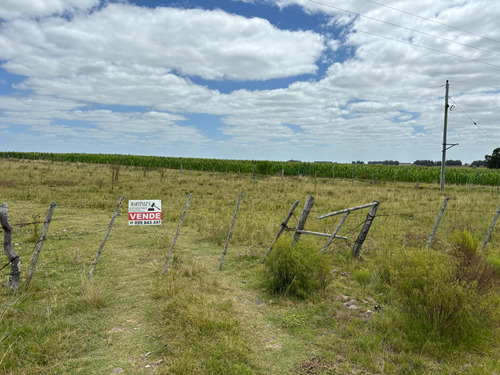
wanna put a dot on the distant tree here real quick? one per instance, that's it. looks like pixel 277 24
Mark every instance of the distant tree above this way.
pixel 456 163
pixel 426 163
pixel 493 160
pixel 385 162
pixel 478 163
pixel 358 162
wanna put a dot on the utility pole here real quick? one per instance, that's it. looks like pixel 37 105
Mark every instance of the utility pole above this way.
pixel 443 160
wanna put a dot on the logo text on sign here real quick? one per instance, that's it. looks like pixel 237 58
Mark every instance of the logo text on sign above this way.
pixel 144 212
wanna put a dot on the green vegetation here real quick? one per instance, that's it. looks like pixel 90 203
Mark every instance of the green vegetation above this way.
pixel 297 269
pixel 368 172
pixel 396 310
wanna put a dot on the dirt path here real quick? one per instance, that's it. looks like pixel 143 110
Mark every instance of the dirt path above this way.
pixel 126 340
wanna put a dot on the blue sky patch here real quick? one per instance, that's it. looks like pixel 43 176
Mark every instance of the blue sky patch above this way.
pixel 208 125
pixel 405 116
pixel 419 130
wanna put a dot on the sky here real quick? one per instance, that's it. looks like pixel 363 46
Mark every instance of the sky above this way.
pixel 310 80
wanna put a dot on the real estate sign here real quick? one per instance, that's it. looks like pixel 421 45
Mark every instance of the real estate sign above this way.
pixel 144 212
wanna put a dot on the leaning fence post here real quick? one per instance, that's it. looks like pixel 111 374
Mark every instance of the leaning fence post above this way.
pixel 356 249
pixel 330 240
pixel 15 262
pixel 438 220
pixel 105 238
pixel 176 234
pixel 230 232
pixel 488 235
pixel 38 247
pixel 282 228
pixel 303 217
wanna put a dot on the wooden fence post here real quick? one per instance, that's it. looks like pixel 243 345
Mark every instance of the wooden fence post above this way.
pixel 282 228
pixel 176 234
pixel 38 247
pixel 303 217
pixel 15 262
pixel 438 220
pixel 488 235
pixel 356 249
pixel 282 174
pixel 94 264
pixel 330 240
pixel 230 232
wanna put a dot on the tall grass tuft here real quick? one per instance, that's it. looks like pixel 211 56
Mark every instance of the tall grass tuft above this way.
pixel 92 294
pixel 297 269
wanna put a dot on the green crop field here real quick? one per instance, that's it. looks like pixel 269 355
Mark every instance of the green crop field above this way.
pixel 397 309
pixel 366 172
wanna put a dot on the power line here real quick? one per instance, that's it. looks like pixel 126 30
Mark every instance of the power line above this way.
pixel 428 48
pixel 383 36
pixel 475 123
pixel 403 27
pixel 476 85
pixel 434 21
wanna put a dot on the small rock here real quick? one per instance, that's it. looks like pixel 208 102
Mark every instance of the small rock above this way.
pixel 16 244
pixel 147 354
pixel 268 326
pixel 353 307
pixel 244 281
pixel 116 370
pixel 344 274
pixel 368 313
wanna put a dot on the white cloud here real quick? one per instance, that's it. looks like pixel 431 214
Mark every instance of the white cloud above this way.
pixel 210 44
pixel 40 8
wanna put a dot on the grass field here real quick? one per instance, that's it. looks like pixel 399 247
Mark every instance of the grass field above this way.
pixel 196 319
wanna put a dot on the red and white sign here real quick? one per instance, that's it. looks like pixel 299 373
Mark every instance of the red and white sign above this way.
pixel 144 212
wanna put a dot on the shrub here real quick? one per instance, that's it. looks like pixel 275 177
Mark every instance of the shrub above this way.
pixel 297 269
pixel 434 292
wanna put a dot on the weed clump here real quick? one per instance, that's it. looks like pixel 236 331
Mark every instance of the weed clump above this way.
pixel 297 269
pixel 363 277
pixel 92 295
pixel 446 295
pixel 472 268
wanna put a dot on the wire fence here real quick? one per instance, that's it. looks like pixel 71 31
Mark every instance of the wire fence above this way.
pixel 73 230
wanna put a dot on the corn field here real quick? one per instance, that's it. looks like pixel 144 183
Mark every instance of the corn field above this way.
pixel 369 172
